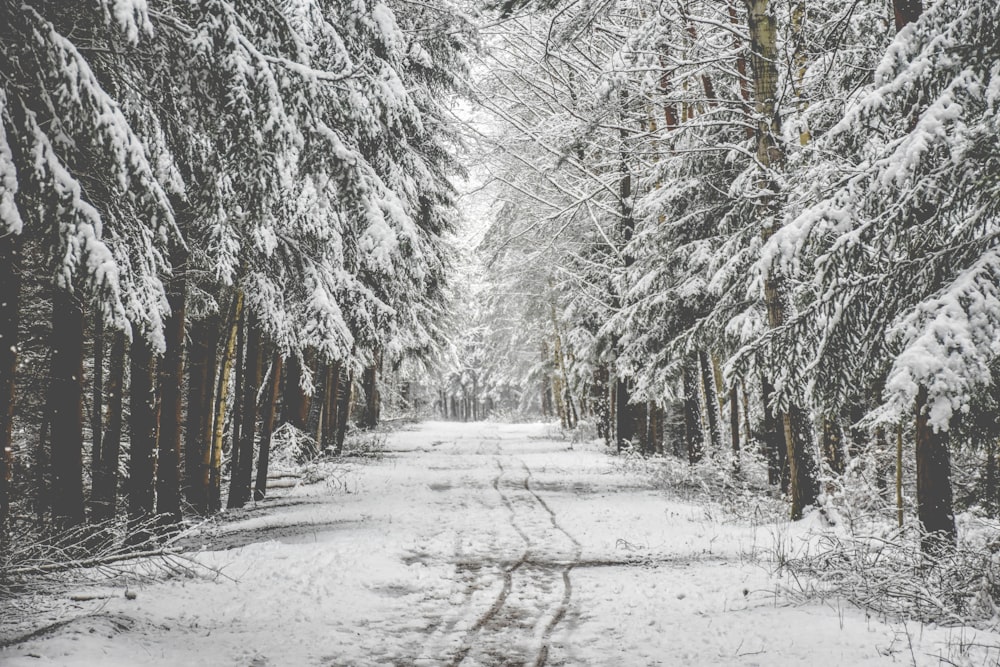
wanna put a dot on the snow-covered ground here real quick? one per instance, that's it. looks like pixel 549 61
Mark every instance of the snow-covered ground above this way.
pixel 482 544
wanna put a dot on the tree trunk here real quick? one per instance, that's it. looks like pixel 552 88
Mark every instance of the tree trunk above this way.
pixel 267 427
pixel 344 411
pixel 143 424
pixel 734 424
pixel 833 445
pixel 235 422
pixel 10 301
pixel 198 429
pixel 934 496
pixel 803 477
pixel 66 405
pixel 242 473
pixel 171 378
pixel 774 442
pixel 625 427
pixel 692 419
pixel 97 408
pixel 713 418
pixel 906 12
pixel 295 401
pixel 369 382
pixel 212 476
pixel 105 494
pixel 770 155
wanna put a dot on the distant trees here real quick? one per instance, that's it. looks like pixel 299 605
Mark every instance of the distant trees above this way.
pixel 786 207
pixel 173 181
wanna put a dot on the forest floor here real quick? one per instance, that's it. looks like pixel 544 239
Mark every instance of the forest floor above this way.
pixel 476 544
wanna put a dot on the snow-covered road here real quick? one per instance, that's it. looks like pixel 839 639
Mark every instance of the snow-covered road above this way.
pixel 477 544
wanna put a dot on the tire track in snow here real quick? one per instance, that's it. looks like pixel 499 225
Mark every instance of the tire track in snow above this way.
pixel 563 606
pixel 508 575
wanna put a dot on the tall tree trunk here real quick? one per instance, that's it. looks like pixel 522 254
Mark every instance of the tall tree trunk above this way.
pixel 369 383
pixel 833 445
pixel 10 302
pixel 906 12
pixel 332 405
pixel 934 497
pixel 212 476
pixel 105 494
pixel 624 416
pixel 143 425
pixel 713 418
pixel 198 428
pixel 770 155
pixel 344 410
pixel 170 450
pixel 97 408
pixel 692 420
pixel 295 401
pixel 242 474
pixel 66 408
pixel 267 427
pixel 734 424
pixel 774 441
pixel 236 422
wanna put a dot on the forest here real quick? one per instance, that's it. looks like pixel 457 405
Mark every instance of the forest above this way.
pixel 759 235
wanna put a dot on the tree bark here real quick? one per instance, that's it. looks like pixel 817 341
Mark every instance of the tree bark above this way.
pixel 344 410
pixel 143 423
pixel 833 445
pixel 692 420
pixel 242 474
pixel 713 418
pixel 734 424
pixel 295 401
pixel 267 427
pixel 170 449
pixel 770 155
pixel 10 302
pixel 212 476
pixel 97 407
pixel 934 496
pixel 906 12
pixel 66 405
pixel 236 422
pixel 198 428
pixel 369 382
pixel 105 496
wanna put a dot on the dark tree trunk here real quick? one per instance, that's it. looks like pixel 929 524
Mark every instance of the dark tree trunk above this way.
pixel 171 380
pixel 734 424
pixel 692 411
pixel 10 301
pixel 242 472
pixel 344 410
pixel 369 382
pixel 97 408
pixel 906 12
pixel 235 420
pixel 105 498
pixel 713 418
pixel 295 401
pixel 66 405
pixel 934 497
pixel 600 404
pixel 774 442
pixel 626 417
pixel 267 427
pixel 833 446
pixel 142 437
pixel 212 477
pixel 804 486
pixel 198 429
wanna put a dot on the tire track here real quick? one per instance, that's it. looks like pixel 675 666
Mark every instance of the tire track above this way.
pixel 563 607
pixel 508 575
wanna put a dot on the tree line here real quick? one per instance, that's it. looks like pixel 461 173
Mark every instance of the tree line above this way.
pixel 753 224
pixel 213 216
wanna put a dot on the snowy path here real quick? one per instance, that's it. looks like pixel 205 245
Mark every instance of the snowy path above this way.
pixel 476 544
